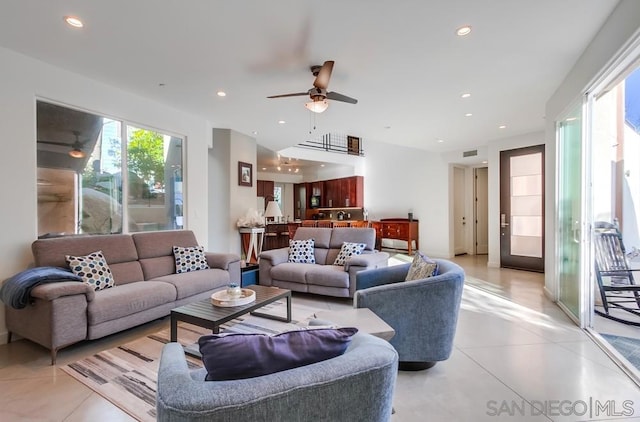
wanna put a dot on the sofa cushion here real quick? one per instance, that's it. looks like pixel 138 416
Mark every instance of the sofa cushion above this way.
pixel 155 250
pixel 190 258
pixel 128 299
pixel 238 356
pixel 288 271
pixel 348 250
pixel 354 235
pixel 421 267
pixel 118 249
pixel 321 235
pixel 195 282
pixel 328 275
pixel 302 251
pixel 93 270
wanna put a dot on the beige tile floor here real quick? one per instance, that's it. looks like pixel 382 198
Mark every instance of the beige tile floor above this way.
pixel 509 354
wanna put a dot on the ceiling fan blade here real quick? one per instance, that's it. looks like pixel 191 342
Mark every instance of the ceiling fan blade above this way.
pixel 297 94
pixel 63 144
pixel 322 80
pixel 339 97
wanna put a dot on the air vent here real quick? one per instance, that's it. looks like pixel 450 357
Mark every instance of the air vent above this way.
pixel 471 153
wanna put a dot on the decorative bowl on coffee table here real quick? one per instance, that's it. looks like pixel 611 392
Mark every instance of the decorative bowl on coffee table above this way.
pixel 224 300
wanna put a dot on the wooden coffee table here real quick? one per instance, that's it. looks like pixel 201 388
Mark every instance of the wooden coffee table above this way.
pixel 206 315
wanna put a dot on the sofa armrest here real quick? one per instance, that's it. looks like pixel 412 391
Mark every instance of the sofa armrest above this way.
pixel 225 261
pixel 51 291
pixel 221 260
pixel 275 256
pixel 381 276
pixel 370 260
pixel 268 260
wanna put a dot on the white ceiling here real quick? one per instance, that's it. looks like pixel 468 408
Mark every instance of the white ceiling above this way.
pixel 400 59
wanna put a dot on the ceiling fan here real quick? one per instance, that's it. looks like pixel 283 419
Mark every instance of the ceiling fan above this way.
pixel 76 148
pixel 319 94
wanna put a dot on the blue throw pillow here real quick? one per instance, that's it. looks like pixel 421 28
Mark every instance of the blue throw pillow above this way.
pixel 237 356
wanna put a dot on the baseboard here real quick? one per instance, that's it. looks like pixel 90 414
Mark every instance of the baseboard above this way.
pixel 4 337
pixel 492 264
pixel 548 294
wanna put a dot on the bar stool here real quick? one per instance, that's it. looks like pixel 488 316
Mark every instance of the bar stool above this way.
pixel 340 224
pixel 308 223
pixel 325 223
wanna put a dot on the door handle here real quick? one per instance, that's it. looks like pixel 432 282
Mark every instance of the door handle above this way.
pixel 503 221
pixel 576 231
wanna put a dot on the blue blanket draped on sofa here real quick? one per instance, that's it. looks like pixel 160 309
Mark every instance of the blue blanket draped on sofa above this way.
pixel 15 291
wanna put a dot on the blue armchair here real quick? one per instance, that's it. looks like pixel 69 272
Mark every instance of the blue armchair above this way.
pixel 357 385
pixel 424 313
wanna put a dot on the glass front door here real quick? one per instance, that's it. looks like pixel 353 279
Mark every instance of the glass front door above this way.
pixel 569 213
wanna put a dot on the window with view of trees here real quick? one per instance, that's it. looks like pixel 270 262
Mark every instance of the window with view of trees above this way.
pixel 90 181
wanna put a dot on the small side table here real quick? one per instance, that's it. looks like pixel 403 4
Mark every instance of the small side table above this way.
pixel 252 239
pixel 364 319
pixel 249 275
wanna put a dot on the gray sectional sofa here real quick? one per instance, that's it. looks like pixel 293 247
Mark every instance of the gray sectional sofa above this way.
pixel 322 277
pixel 147 287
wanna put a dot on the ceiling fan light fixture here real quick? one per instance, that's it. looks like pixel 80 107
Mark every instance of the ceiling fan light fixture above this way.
pixel 317 106
pixel 76 153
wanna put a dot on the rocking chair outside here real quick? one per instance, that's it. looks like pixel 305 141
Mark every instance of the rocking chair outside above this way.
pixel 613 274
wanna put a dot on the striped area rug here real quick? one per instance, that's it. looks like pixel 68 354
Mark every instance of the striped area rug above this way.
pixel 126 375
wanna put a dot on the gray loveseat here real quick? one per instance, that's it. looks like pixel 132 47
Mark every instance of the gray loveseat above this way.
pixel 322 277
pixel 423 313
pixel 147 287
pixel 356 386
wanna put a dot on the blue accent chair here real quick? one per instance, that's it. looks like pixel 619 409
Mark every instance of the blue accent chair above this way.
pixel 424 313
pixel 356 386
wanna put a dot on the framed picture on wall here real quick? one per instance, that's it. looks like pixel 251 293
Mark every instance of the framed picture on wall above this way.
pixel 245 174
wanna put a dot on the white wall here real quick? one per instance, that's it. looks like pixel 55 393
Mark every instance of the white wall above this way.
pixel 233 201
pixel 398 179
pixel 603 52
pixel 25 79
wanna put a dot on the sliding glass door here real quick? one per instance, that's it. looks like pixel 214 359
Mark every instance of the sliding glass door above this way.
pixel 569 223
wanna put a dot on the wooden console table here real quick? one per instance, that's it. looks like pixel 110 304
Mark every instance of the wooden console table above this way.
pixel 397 229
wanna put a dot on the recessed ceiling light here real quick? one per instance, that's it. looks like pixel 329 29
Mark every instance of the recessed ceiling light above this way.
pixel 440 141
pixel 465 95
pixel 73 21
pixel 264 168
pixel 463 30
pixel 279 168
pixel 502 127
pixel 255 132
pixel 321 165
pixel 571 119
pixel 468 115
pixel 221 94
pixel 485 162
pixel 281 122
pixel 388 127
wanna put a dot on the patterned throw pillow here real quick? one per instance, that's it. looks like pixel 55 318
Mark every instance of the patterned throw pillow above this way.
pixel 421 267
pixel 301 251
pixel 347 251
pixel 190 258
pixel 93 270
